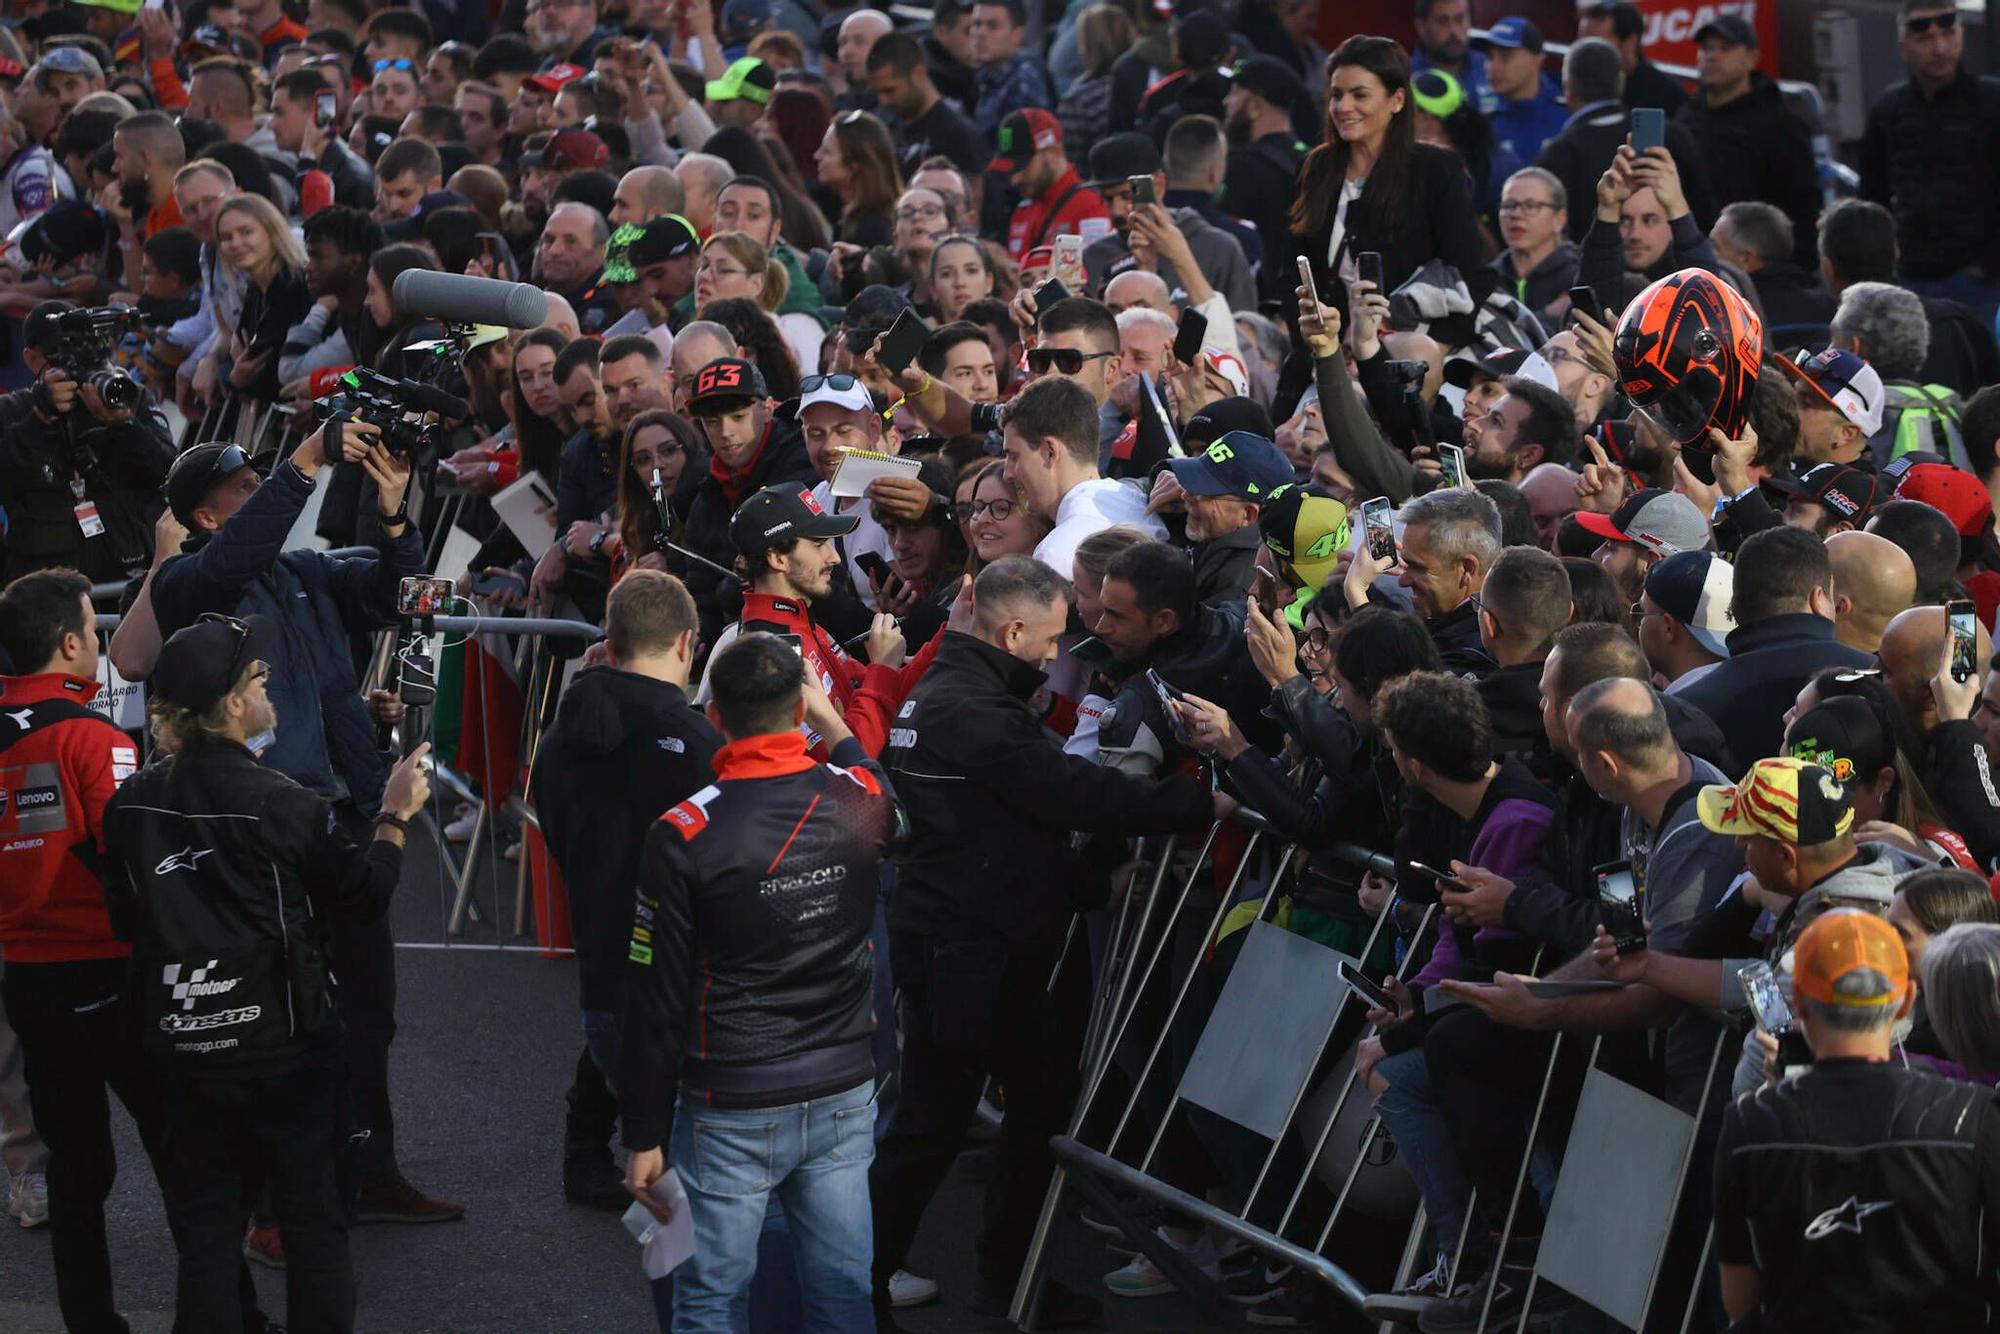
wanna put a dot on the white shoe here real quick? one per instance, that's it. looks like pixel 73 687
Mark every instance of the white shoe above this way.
pixel 29 1199
pixel 907 1289
pixel 1142 1278
pixel 460 830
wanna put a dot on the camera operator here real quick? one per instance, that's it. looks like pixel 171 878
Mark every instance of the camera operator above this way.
pixel 79 479
pixel 234 879
pixel 325 739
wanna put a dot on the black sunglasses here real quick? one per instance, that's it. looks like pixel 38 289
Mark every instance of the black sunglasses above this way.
pixel 839 382
pixel 1066 360
pixel 242 633
pixel 1918 27
pixel 223 464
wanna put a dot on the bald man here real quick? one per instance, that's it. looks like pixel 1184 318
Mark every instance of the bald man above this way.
pixel 694 347
pixel 1138 289
pixel 1912 648
pixel 561 316
pixel 1551 492
pixel 859 32
pixel 702 176
pixel 1873 580
pixel 645 193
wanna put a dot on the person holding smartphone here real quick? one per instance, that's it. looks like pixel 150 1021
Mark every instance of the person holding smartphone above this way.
pixel 299 127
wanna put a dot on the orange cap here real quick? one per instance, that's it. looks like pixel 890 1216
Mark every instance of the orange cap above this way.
pixel 1850 957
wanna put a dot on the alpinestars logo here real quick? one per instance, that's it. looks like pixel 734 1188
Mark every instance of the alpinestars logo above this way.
pixel 1844 1218
pixel 196 985
pixel 183 860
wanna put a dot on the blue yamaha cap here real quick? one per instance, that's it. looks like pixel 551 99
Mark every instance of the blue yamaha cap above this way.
pixel 1515 33
pixel 1239 464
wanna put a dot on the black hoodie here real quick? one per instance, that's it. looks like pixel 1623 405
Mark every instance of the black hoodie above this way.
pixel 1755 148
pixel 624 748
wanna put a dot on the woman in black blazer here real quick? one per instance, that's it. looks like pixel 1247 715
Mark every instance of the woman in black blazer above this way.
pixel 1370 185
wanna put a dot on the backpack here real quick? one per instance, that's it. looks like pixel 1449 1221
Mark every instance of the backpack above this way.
pixel 1921 417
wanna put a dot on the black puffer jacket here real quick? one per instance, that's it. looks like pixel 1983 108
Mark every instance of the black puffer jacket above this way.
pixel 623 749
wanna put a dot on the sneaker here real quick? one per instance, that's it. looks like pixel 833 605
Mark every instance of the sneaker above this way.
pixel 1142 1278
pixel 263 1246
pixel 398 1201
pixel 907 1289
pixel 512 851
pixel 1410 1301
pixel 1247 1279
pixel 1461 1310
pixel 460 830
pixel 1287 1308
pixel 28 1201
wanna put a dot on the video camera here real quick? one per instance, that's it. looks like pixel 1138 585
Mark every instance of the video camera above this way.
pixel 83 344
pixel 384 401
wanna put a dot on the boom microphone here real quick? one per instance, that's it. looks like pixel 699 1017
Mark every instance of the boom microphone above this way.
pixel 462 299
pixel 432 399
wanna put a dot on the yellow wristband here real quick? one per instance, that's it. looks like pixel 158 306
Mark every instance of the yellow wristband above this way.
pixel 926 388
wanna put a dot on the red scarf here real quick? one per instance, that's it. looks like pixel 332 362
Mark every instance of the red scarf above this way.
pixel 733 481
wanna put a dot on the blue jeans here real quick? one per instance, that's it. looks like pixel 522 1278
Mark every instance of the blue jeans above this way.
pixel 604 1035
pixel 814 1157
pixel 1409 1108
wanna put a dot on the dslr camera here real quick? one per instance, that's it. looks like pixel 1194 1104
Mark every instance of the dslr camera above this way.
pixel 83 344
pixel 384 402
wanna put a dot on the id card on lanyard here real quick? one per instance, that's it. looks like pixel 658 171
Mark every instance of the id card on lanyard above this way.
pixel 87 517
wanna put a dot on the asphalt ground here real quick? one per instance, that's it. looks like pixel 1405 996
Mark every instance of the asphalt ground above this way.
pixel 486 1044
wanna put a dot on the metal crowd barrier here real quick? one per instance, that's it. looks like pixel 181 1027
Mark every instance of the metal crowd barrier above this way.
pixel 1141 938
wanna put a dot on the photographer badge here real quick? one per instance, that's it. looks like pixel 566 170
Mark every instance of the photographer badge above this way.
pixel 87 517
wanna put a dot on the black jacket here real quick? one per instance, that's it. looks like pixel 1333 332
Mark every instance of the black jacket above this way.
pixel 122 466
pixel 1436 222
pixel 1964 356
pixel 705 531
pixel 1797 306
pixel 1756 148
pixel 1959 774
pixel 1584 149
pixel 1650 86
pixel 1456 634
pixel 225 873
pixel 1513 700
pixel 1936 165
pixel 1225 567
pixel 992 798
pixel 1208 659
pixel 353 178
pixel 753 976
pixel 623 749
pixel 1747 693
pixel 1257 186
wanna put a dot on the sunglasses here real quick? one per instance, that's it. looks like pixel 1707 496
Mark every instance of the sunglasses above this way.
pixel 223 464
pixel 1918 27
pixel 405 65
pixel 1065 360
pixel 242 633
pixel 840 382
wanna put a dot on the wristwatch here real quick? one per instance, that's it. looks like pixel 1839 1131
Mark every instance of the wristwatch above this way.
pixel 597 542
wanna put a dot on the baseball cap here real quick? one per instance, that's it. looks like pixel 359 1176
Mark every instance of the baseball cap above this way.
pixel 781 513
pixel 1437 93
pixel 724 379
pixel 208 37
pixel 741 17
pixel 1307 529
pixel 1239 464
pixel 1038 257
pixel 1663 522
pixel 1731 28
pixel 1958 494
pixel 1780 798
pixel 1219 418
pixel 618 256
pixel 574 149
pixel 1849 385
pixel 68 230
pixel 551 80
pixel 72 60
pixel 1848 491
pixel 1202 39
pixel 1023 134
pixel 122 6
pixel 196 472
pixel 1513 33
pixel 1892 471
pixel 843 391
pixel 1851 957
pixel 664 238
pixel 1462 372
pixel 1271 79
pixel 1696 589
pixel 1116 156
pixel 200 663
pixel 746 80
pixel 1844 736
pixel 1230 367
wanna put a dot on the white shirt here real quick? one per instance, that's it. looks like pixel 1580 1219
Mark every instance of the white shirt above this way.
pixel 866 537
pixel 1091 507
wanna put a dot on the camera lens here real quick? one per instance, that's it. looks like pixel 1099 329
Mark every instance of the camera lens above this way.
pixel 118 390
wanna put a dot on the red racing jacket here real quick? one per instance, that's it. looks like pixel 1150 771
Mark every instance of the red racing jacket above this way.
pixel 60 761
pixel 867 695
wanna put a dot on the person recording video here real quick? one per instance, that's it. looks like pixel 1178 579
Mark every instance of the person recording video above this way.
pixel 79 478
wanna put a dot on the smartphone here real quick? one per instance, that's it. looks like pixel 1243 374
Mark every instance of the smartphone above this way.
pixel 1368 267
pixel 1306 279
pixel 1618 899
pixel 1167 694
pixel 1649 128
pixel 793 643
pixel 499 256
pixel 906 338
pixel 1381 530
pixel 421 595
pixel 873 566
pixel 1583 300
pixel 325 108
pixel 1188 339
pixel 1068 258
pixel 1964 638
pixel 1767 998
pixel 487 585
pixel 1048 294
pixel 1142 190
pixel 1445 879
pixel 1453 459
pixel 1367 988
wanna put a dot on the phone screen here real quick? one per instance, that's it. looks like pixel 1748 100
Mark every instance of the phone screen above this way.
pixel 1380 528
pixel 1649 128
pixel 1444 878
pixel 1167 695
pixel 419 595
pixel 1188 339
pixel 1453 459
pixel 1964 639
pixel 906 338
pixel 1068 258
pixel 1368 267
pixel 1767 999
pixel 1048 294
pixel 1618 896
pixel 326 107
pixel 1366 987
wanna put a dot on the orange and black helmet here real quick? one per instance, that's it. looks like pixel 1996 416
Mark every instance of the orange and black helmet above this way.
pixel 1688 349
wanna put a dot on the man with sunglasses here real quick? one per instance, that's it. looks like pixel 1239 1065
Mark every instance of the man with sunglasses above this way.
pixel 1928 155
pixel 236 564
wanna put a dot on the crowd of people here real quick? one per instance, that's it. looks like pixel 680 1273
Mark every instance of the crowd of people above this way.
pixel 993 456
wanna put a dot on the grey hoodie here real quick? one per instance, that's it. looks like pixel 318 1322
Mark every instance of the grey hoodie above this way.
pixel 1215 252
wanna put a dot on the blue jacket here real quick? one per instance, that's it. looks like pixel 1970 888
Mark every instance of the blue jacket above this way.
pixel 1521 128
pixel 325 738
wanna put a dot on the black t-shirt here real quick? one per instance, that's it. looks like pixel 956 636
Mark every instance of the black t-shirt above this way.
pixel 1865 1195
pixel 942 130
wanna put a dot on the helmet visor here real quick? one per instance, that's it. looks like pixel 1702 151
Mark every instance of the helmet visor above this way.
pixel 1685 411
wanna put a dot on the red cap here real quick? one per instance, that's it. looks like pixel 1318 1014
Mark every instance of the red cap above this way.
pixel 573 149
pixel 1958 494
pixel 1040 257
pixel 1023 134
pixel 550 81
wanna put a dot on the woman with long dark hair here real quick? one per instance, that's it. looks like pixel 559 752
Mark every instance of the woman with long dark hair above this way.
pixel 387 331
pixel 1370 186
pixel 656 440
pixel 536 406
pixel 797 116
pixel 857 161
